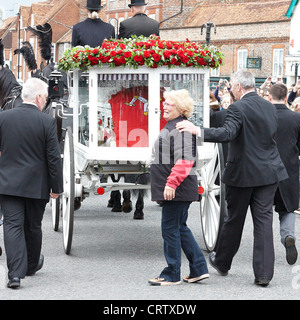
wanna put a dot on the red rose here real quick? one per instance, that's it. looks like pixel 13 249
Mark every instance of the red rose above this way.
pixel 95 51
pixel 146 54
pixel 127 54
pixel 122 60
pixel 113 53
pixel 138 58
pixel 202 62
pixel 156 57
pixel 167 54
pixel 173 60
pixel 184 59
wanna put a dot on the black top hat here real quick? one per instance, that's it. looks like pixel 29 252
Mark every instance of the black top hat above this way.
pixel 137 3
pixel 93 4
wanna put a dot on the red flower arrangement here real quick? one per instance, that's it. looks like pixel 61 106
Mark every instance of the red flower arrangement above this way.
pixel 141 51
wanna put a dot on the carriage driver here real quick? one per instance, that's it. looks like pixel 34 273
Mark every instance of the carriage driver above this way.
pixel 139 24
pixel 93 30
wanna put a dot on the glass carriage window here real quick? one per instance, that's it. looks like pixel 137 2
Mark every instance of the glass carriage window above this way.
pixel 83 109
pixel 122 109
pixel 194 83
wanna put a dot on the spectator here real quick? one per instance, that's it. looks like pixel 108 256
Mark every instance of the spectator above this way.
pixel 295 93
pixel 174 183
pixel 287 194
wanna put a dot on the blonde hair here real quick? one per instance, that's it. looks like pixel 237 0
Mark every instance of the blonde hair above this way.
pixel 183 101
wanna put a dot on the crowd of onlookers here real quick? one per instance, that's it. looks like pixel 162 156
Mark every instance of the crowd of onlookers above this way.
pixel 221 98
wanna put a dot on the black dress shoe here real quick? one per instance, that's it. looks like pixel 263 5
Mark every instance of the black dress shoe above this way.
pixel 14 283
pixel 39 266
pixel 212 257
pixel 291 251
pixel 262 283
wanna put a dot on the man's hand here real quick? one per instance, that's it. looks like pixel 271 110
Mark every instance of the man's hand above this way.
pixel 169 193
pixel 188 126
pixel 54 195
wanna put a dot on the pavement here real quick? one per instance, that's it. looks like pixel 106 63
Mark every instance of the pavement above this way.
pixel 113 256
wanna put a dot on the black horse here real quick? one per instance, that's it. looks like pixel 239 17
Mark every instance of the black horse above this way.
pixel 10 90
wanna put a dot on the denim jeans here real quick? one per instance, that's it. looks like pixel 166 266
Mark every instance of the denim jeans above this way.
pixel 177 236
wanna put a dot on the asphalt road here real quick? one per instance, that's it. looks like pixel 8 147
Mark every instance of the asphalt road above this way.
pixel 113 256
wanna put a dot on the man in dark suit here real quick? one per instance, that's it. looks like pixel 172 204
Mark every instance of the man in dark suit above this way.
pixel 251 176
pixel 288 141
pixel 139 24
pixel 92 31
pixel 30 172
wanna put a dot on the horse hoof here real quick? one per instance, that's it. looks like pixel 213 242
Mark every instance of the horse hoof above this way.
pixel 127 206
pixel 138 215
pixel 110 204
pixel 116 209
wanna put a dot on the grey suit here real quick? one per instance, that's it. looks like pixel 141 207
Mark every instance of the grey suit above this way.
pixel 30 167
pixel 252 173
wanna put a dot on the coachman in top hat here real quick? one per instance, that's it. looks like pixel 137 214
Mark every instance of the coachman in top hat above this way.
pixel 93 30
pixel 139 24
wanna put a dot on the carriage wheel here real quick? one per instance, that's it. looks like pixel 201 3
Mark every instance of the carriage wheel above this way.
pixel 212 204
pixel 55 204
pixel 69 188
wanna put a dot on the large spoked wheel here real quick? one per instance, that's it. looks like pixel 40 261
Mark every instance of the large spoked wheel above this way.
pixel 69 189
pixel 212 204
pixel 55 205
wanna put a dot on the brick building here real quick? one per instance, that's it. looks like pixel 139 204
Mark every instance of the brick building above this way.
pixel 61 14
pixel 245 29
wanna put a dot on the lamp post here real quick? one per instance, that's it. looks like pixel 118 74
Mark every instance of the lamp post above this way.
pixel 208 26
pixel 19 43
pixel 296 70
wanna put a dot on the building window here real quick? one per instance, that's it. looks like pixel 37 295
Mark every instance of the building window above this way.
pixel 277 63
pixel 242 59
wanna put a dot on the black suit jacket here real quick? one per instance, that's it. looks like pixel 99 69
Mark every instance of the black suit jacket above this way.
pixel 288 141
pixel 253 158
pixel 91 32
pixel 138 25
pixel 30 161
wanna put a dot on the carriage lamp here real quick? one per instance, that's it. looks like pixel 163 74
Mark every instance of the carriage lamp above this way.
pixel 55 85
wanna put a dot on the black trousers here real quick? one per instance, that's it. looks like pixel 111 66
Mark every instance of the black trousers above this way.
pixel 260 200
pixel 22 233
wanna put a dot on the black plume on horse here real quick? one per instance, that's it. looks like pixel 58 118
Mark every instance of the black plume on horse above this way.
pixel 10 90
pixel 28 54
pixel 44 34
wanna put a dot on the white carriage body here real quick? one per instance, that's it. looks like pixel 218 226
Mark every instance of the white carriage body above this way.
pixel 92 93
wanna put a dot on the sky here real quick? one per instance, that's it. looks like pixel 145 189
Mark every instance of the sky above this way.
pixel 11 7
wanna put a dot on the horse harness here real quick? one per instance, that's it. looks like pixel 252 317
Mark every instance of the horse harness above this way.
pixel 9 101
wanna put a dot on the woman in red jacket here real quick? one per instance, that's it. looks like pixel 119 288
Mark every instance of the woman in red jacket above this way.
pixel 174 183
